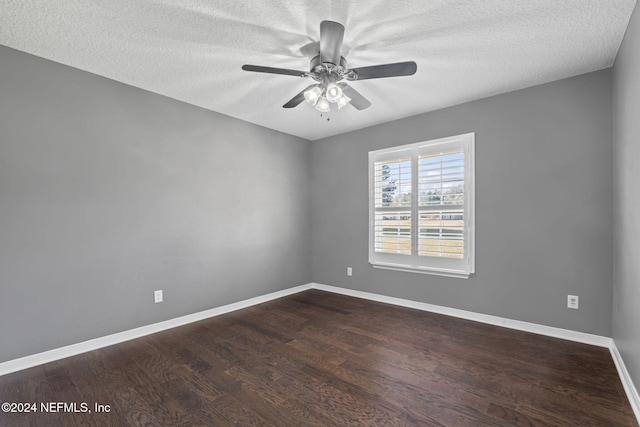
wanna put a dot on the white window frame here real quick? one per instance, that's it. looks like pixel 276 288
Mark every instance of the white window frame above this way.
pixel 442 266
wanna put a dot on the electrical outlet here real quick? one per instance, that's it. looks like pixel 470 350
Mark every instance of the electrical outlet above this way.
pixel 572 301
pixel 349 271
pixel 157 296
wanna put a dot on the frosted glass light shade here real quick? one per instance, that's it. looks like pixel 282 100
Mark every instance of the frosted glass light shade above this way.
pixel 312 95
pixel 334 93
pixel 342 101
pixel 323 105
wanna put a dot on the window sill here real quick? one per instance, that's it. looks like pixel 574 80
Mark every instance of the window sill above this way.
pixel 459 274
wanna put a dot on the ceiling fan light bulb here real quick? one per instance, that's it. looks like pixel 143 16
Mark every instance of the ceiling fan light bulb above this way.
pixel 342 101
pixel 312 95
pixel 334 93
pixel 323 105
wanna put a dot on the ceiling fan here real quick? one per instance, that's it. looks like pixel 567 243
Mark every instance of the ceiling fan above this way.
pixel 329 68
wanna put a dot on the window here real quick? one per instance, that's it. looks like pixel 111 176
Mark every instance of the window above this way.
pixel 421 207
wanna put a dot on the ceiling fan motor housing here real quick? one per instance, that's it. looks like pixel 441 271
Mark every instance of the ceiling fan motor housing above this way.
pixel 325 72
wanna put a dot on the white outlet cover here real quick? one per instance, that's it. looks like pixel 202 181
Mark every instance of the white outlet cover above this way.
pixel 573 301
pixel 349 271
pixel 157 296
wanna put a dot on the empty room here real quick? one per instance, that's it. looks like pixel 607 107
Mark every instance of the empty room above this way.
pixel 324 213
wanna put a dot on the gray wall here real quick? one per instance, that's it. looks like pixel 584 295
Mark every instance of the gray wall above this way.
pixel 626 184
pixel 108 192
pixel 543 205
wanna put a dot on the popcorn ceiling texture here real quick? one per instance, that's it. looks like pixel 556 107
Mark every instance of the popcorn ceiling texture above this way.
pixel 192 50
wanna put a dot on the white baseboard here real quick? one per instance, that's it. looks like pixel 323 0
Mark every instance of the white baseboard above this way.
pixel 566 334
pixel 94 344
pixel 627 382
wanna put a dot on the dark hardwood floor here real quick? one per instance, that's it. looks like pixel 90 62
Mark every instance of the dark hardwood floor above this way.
pixel 317 358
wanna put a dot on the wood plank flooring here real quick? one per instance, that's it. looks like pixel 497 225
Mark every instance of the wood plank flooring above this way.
pixel 322 359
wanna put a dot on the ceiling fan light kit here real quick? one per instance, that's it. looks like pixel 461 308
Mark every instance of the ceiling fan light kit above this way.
pixel 329 68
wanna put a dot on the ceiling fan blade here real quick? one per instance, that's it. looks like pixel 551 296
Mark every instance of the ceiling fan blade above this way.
pixel 271 70
pixel 357 100
pixel 331 35
pixel 296 100
pixel 379 71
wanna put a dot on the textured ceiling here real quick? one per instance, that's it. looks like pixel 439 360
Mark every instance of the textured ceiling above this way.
pixel 192 50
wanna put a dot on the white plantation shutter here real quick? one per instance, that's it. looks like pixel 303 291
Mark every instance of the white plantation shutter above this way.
pixel 392 223
pixel 441 204
pixel 421 213
pixel 393 232
pixel 441 234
